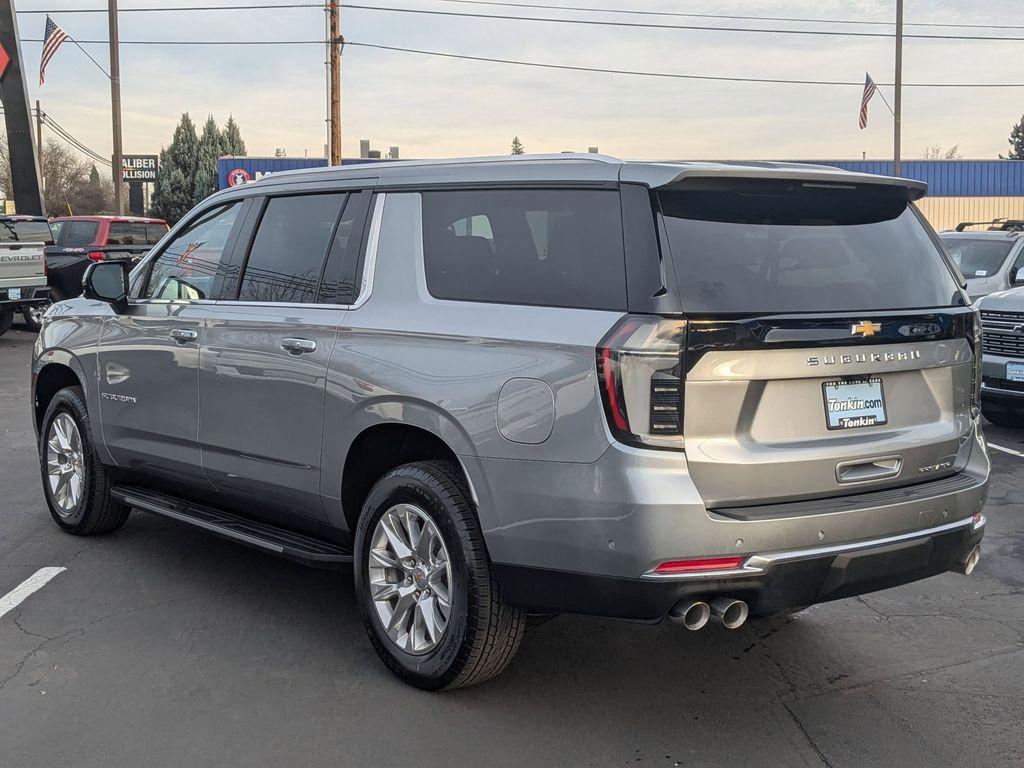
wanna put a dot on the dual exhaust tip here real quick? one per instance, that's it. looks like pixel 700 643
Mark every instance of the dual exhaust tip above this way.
pixel 695 614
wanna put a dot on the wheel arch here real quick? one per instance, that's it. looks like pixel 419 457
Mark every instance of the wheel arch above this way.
pixel 380 447
pixel 58 369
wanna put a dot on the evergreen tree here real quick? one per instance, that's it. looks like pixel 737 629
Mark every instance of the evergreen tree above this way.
pixel 156 205
pixel 231 142
pixel 517 147
pixel 175 196
pixel 181 153
pixel 1016 142
pixel 208 149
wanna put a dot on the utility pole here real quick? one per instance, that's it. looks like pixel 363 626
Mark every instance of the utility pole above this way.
pixel 334 48
pixel 115 107
pixel 39 140
pixel 898 101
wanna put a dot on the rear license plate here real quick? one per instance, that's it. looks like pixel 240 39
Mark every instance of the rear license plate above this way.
pixel 1015 371
pixel 14 294
pixel 852 403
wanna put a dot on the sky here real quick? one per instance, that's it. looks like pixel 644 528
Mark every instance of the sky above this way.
pixel 437 107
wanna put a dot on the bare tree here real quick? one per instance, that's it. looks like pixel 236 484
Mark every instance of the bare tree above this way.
pixel 934 152
pixel 71 184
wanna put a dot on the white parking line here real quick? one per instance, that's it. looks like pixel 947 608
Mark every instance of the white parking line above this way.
pixel 36 581
pixel 1006 450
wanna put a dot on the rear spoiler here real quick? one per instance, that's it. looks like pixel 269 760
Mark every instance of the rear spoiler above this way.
pixel 781 172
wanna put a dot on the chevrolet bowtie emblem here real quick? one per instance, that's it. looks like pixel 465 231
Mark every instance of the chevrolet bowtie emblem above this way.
pixel 865 328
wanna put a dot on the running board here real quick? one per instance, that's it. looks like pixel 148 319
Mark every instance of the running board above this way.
pixel 269 538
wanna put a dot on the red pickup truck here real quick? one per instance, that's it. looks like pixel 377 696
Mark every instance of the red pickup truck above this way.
pixel 81 240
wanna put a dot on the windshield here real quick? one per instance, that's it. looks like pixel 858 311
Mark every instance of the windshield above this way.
pixel 782 246
pixel 978 258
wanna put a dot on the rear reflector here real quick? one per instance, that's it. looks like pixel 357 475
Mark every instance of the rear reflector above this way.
pixel 703 564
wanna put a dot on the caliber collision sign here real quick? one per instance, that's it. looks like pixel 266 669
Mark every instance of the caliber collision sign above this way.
pixel 139 167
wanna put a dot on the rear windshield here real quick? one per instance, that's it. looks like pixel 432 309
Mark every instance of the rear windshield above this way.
pixel 25 231
pixel 783 246
pixel 978 258
pixel 76 234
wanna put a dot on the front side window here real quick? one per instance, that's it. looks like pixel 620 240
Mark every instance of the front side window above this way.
pixel 288 253
pixel 557 247
pixel 186 268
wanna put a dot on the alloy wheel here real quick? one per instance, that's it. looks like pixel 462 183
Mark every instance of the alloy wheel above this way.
pixel 410 578
pixel 65 464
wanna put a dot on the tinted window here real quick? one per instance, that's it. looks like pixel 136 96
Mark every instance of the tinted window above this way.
pixel 287 256
pixel 77 234
pixel 15 230
pixel 338 284
pixel 126 233
pixel 187 266
pixel 978 258
pixel 769 246
pixel 555 247
pixel 154 232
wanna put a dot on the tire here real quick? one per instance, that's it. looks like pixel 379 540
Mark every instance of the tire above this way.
pixel 6 319
pixel 92 510
pixel 482 632
pixel 32 316
pixel 1007 418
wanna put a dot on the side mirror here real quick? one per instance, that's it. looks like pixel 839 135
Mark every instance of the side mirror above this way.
pixel 1016 276
pixel 107 281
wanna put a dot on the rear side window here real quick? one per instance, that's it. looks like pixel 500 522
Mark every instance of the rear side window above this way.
pixel 14 230
pixel 550 247
pixel 784 246
pixel 288 253
pixel 77 234
pixel 126 233
pixel 154 232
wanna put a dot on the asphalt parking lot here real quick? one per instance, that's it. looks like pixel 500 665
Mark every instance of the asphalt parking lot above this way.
pixel 162 646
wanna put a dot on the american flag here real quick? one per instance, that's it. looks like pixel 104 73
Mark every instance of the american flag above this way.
pixel 869 91
pixel 52 39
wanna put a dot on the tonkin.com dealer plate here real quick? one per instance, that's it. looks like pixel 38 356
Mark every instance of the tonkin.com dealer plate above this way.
pixel 852 403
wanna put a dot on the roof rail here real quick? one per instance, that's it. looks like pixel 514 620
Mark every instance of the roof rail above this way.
pixel 995 225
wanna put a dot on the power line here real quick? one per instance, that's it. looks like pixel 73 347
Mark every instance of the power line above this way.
pixel 647 25
pixel 64 134
pixel 572 8
pixel 673 75
pixel 548 65
pixel 734 17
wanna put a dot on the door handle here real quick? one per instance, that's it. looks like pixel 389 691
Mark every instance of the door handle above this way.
pixel 183 335
pixel 298 346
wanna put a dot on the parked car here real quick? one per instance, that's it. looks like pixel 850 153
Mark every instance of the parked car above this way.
pixel 22 267
pixel 547 384
pixel 989 260
pixel 1002 383
pixel 81 240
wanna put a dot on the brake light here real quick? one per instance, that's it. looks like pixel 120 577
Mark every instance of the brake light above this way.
pixel 640 371
pixel 702 564
pixel 97 255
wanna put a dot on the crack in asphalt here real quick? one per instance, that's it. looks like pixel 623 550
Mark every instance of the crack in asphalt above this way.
pixel 807 736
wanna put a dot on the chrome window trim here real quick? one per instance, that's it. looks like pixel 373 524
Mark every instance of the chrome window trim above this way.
pixel 757 565
pixel 372 244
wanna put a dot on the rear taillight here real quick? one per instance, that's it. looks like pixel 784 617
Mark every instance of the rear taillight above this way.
pixel 640 371
pixel 976 347
pixel 97 255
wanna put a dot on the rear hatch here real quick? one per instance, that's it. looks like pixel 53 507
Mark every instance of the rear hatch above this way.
pixel 21 254
pixel 828 349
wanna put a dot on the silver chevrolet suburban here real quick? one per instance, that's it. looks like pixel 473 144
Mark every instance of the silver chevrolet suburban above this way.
pixel 506 388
